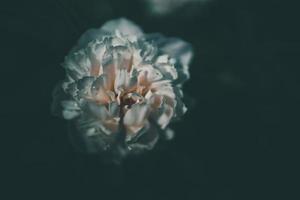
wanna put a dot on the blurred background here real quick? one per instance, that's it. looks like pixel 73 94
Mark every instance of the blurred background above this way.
pixel 237 141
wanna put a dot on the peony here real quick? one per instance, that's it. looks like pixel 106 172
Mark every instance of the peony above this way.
pixel 122 88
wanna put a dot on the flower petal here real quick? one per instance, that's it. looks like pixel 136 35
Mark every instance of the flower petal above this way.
pixel 177 49
pixel 77 64
pixel 135 117
pixel 146 139
pixel 124 26
pixel 70 109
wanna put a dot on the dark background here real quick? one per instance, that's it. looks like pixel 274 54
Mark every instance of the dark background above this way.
pixel 237 142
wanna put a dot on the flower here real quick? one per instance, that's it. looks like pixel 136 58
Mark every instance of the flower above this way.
pixel 122 87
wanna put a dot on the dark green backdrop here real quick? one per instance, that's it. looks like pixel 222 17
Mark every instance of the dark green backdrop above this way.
pixel 230 144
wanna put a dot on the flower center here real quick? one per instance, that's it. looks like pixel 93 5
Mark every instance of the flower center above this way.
pixel 130 99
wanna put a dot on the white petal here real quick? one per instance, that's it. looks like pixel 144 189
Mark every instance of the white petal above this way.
pixel 169 134
pixel 69 105
pixel 70 109
pixel 167 70
pixel 77 65
pixel 146 139
pixel 136 115
pixel 122 80
pixel 177 49
pixel 180 50
pixel 166 116
pixel 99 111
pixel 122 25
pixel 164 88
pixel 114 109
pixel 70 114
pixel 88 36
pixel 162 59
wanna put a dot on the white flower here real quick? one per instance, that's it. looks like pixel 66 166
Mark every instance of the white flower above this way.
pixel 122 87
